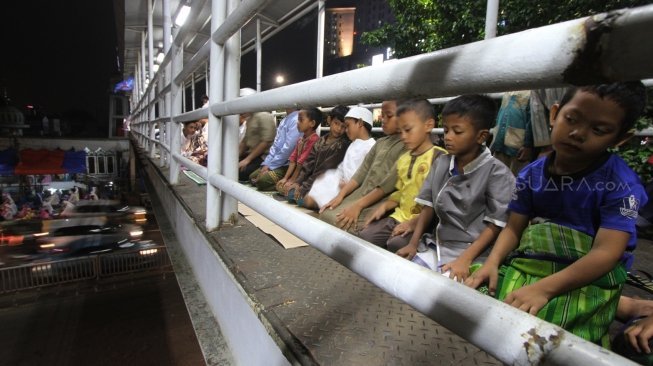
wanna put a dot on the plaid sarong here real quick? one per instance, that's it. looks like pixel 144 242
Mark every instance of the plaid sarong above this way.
pixel 269 180
pixel 547 248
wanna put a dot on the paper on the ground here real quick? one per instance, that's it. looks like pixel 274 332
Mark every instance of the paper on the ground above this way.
pixel 194 177
pixel 286 239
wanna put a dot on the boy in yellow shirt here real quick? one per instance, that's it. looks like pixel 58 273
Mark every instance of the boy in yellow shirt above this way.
pixel 416 120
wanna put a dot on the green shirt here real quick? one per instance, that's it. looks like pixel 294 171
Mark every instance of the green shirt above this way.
pixel 260 128
pixel 378 164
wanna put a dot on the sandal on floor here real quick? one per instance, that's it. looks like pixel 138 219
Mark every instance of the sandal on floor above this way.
pixel 641 280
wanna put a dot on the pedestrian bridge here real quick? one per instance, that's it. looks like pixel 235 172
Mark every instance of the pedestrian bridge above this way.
pixel 342 300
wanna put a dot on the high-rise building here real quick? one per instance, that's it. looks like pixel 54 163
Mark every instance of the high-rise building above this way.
pixel 339 35
pixel 344 26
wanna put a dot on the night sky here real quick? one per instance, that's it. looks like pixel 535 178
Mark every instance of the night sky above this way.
pixel 291 52
pixel 61 56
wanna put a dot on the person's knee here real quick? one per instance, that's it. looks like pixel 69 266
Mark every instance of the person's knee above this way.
pixel 397 242
pixel 366 234
pixel 309 202
pixel 329 216
pixel 264 185
pixel 253 175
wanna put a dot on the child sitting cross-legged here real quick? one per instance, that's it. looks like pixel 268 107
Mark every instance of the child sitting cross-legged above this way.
pixel 466 193
pixel 568 266
pixel 346 210
pixel 307 122
pixel 358 127
pixel 326 154
pixel 416 119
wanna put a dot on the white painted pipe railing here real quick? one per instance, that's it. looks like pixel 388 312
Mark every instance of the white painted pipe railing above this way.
pixel 237 19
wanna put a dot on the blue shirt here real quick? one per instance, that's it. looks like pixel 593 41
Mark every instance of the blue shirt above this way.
pixel 606 195
pixel 284 142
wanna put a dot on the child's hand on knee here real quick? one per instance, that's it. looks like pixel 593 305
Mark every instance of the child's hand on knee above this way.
pixel 287 187
pixel 402 229
pixel 332 204
pixel 348 217
pixel 374 216
pixel 279 186
pixel 407 252
pixel 486 274
pixel 528 298
pixel 458 269
pixel 639 334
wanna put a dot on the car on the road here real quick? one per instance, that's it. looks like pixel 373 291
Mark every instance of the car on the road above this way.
pixel 87 239
pixel 114 210
pixel 19 232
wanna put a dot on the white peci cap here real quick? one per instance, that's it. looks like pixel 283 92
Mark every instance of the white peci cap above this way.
pixel 246 91
pixel 360 113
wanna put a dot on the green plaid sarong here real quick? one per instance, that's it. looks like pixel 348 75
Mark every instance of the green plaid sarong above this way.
pixel 268 181
pixel 547 248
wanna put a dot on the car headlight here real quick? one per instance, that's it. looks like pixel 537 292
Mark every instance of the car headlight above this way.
pixel 47 246
pixel 135 233
pixel 42 268
pixel 148 251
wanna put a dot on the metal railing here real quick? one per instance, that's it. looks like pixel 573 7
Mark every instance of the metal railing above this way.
pixel 93 267
pixel 558 55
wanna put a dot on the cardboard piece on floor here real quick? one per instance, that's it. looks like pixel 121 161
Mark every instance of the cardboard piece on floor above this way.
pixel 286 239
pixel 244 210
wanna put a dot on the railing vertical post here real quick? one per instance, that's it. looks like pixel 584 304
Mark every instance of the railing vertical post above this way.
pixel 192 91
pixel 216 94
pixel 320 38
pixel 150 41
pixel 162 129
pixel 151 115
pixel 259 54
pixel 150 97
pixel 167 32
pixel 143 70
pixel 230 126
pixel 176 90
pixel 491 18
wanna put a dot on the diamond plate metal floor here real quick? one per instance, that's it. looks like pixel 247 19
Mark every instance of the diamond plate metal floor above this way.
pixel 323 312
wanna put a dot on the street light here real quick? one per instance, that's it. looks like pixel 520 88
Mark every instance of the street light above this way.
pixel 279 79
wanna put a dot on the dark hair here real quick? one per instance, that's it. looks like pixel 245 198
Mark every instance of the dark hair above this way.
pixel 339 112
pixel 367 126
pixel 205 98
pixel 480 109
pixel 421 107
pixel 188 122
pixel 629 95
pixel 314 114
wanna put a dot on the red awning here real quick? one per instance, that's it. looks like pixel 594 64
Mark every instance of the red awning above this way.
pixel 40 161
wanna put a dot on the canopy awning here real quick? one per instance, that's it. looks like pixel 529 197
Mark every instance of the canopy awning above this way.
pixel 44 161
pixel 131 22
